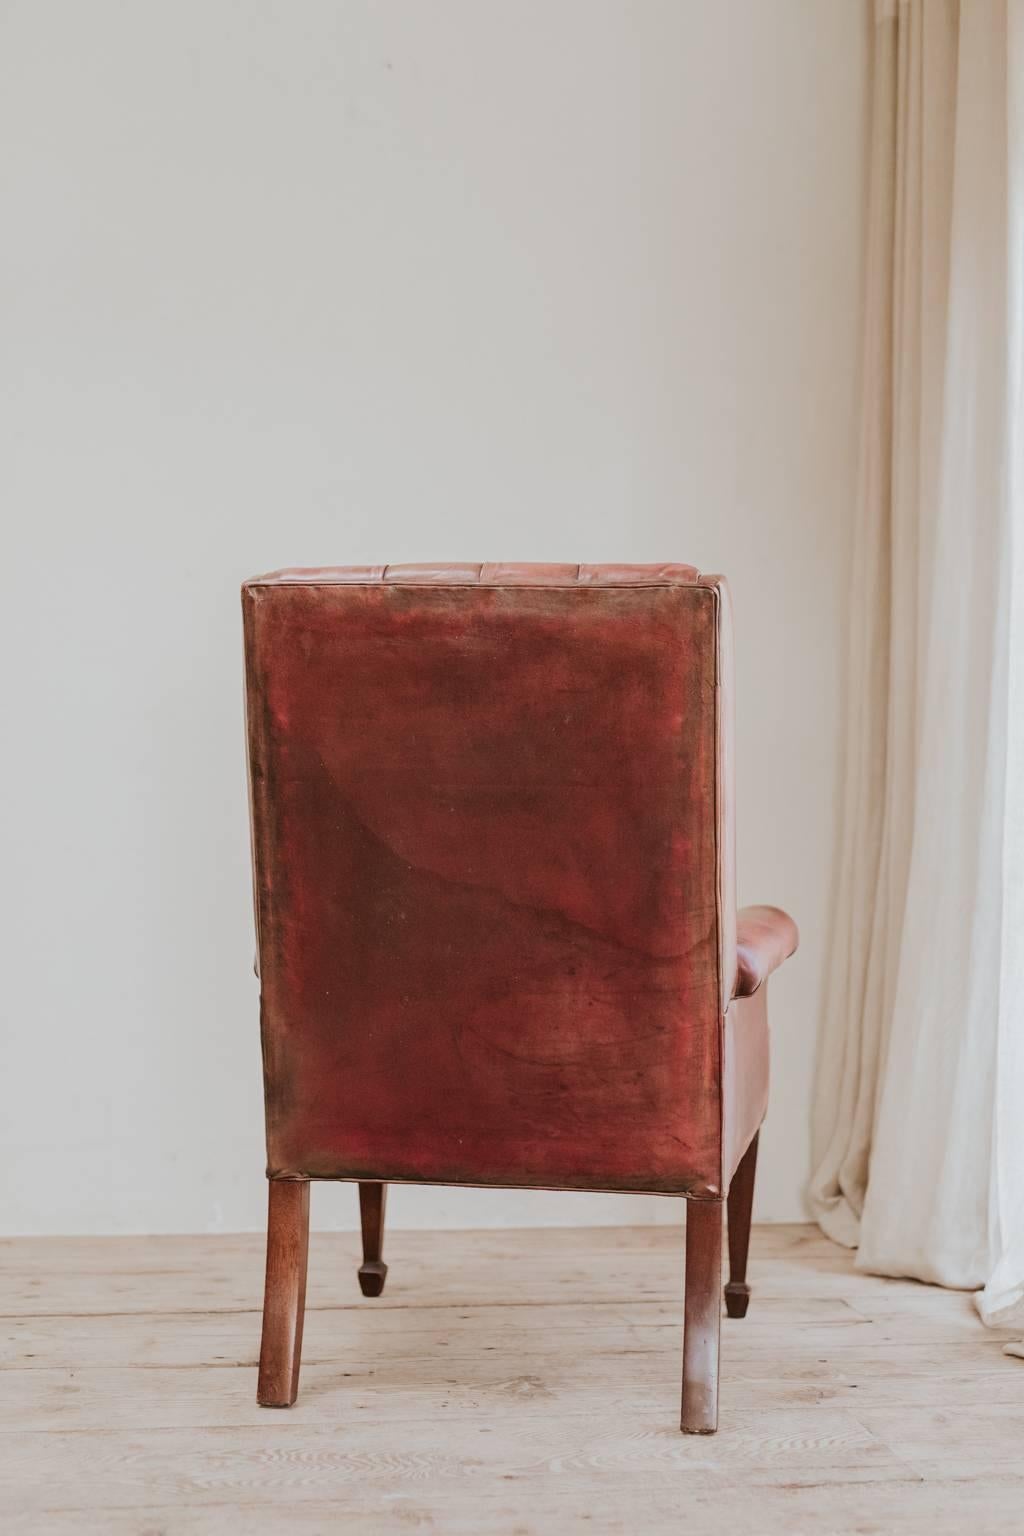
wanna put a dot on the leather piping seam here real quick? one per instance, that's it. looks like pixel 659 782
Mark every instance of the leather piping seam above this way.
pixel 720 1004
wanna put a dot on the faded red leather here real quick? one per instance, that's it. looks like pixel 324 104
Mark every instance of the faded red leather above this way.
pixel 745 1077
pixel 492 825
pixel 765 936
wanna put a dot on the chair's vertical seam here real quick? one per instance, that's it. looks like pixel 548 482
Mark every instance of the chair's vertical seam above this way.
pixel 248 664
pixel 719 893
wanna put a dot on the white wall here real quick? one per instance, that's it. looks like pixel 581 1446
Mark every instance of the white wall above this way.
pixel 310 282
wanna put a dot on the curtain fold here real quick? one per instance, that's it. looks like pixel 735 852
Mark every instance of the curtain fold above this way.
pixel 918 1147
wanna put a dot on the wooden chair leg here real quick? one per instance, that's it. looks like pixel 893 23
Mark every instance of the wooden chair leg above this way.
pixel 284 1300
pixel 741 1201
pixel 372 1271
pixel 702 1320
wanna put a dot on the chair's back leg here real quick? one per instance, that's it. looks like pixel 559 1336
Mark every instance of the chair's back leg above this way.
pixel 372 1271
pixel 284 1299
pixel 702 1318
pixel 741 1203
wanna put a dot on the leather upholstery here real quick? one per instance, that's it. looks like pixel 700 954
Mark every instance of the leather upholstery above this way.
pixel 765 936
pixel 493 860
pixel 503 575
pixel 745 1077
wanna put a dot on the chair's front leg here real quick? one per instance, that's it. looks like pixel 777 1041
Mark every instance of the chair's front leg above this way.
pixel 741 1202
pixel 284 1300
pixel 372 1205
pixel 702 1317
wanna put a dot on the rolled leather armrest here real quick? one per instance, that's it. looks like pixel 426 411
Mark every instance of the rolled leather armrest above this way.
pixel 765 936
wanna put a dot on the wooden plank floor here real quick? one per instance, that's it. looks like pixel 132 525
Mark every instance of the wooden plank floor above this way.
pixel 507 1382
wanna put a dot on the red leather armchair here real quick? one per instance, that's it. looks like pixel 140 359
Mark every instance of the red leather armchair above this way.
pixel 492 815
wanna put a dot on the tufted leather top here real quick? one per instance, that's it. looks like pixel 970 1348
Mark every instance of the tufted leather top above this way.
pixel 513 574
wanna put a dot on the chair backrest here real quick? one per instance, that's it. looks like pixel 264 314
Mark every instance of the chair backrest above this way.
pixel 493 854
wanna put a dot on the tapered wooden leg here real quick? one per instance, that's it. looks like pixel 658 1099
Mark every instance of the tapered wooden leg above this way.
pixel 372 1271
pixel 702 1318
pixel 741 1202
pixel 284 1300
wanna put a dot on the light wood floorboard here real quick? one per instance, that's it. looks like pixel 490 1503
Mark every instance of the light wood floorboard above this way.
pixel 507 1382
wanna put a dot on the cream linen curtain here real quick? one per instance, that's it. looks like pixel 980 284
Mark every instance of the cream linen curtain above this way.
pixel 919 1109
